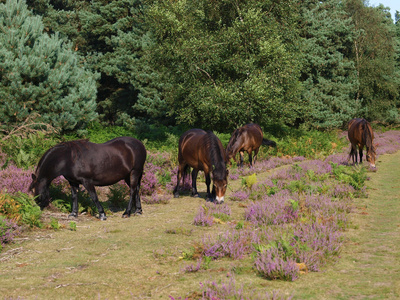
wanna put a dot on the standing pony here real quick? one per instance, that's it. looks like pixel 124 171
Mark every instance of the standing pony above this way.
pixel 203 151
pixel 89 164
pixel 360 134
pixel 247 138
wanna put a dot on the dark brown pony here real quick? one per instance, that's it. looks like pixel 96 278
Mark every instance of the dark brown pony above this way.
pixel 89 164
pixel 247 138
pixel 360 134
pixel 203 151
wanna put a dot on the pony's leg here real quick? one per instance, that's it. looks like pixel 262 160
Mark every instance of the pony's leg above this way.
pixel 179 176
pixel 194 182
pixel 241 158
pixel 251 158
pixel 255 155
pixel 74 199
pixel 134 186
pixel 361 154
pixel 210 196
pixel 92 193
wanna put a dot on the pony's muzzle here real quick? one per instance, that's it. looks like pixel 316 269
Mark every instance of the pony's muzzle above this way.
pixel 219 200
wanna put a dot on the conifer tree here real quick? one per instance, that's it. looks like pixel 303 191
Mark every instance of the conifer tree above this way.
pixel 113 38
pixel 40 74
pixel 329 75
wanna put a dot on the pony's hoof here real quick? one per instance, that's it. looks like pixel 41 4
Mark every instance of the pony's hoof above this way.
pixel 139 212
pixel 72 215
pixel 195 195
pixel 176 195
pixel 210 200
pixel 126 215
pixel 102 217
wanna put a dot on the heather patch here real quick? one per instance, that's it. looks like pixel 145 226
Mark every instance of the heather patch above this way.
pixel 272 210
pixel 8 230
pixel 232 243
pixel 210 213
pixel 14 179
pixel 229 289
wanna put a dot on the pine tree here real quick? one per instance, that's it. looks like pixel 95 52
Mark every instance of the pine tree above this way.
pixel 329 75
pixel 40 74
pixel 113 38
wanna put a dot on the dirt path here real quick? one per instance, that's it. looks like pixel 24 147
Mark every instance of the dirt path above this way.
pixel 369 266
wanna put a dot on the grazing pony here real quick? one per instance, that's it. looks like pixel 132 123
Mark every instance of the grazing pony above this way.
pixel 90 164
pixel 247 138
pixel 360 134
pixel 203 151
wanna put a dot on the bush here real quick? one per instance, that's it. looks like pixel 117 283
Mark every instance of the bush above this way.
pixel 21 208
pixel 8 230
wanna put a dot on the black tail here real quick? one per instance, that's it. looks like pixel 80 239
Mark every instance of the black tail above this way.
pixel 268 143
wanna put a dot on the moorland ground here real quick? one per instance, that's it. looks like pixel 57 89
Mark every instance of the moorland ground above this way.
pixel 136 259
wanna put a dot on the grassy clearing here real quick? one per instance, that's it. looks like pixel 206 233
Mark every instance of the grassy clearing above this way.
pixel 144 257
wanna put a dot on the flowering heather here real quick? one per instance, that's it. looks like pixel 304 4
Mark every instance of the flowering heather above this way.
pixel 239 196
pixel 268 164
pixel 8 230
pixel 149 179
pixel 14 179
pixel 203 218
pixel 323 240
pixel 323 206
pixel 272 210
pixel 271 264
pixel 233 243
pixel 387 142
pixel 156 198
pixel 342 191
pixel 187 181
pixel 228 290
pixel 192 268
pixel 209 211
pixel 317 166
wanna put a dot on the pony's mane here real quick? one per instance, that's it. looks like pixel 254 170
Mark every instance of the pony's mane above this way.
pixel 216 155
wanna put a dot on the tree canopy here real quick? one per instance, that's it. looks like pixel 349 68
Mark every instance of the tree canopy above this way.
pixel 210 64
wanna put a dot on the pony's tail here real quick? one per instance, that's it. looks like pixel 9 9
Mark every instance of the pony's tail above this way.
pixel 268 143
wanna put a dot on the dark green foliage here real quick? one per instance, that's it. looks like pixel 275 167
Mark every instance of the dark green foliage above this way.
pixel 21 208
pixel 112 36
pixel 210 64
pixel 228 63
pixel 329 75
pixel 310 143
pixel 25 151
pixel 41 77
pixel 374 55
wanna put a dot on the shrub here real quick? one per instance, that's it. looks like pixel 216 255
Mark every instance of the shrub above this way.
pixel 8 230
pixel 271 264
pixel 21 208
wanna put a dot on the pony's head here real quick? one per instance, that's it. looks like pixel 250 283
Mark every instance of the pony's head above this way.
pixel 220 183
pixel 40 191
pixel 371 155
